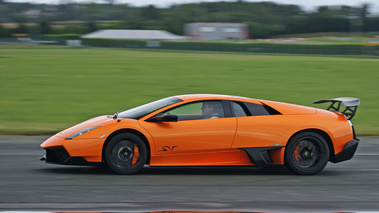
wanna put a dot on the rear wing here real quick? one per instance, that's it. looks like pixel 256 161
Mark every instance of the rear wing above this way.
pixel 351 105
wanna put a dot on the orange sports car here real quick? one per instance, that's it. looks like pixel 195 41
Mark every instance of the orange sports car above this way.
pixel 211 130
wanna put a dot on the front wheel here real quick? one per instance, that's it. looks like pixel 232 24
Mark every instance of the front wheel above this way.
pixel 306 154
pixel 126 153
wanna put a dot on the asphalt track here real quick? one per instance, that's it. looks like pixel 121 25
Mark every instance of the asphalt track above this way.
pixel 29 184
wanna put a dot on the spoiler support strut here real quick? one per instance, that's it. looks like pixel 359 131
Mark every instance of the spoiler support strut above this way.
pixel 350 103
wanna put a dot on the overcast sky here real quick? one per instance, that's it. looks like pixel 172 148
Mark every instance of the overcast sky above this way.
pixel 308 5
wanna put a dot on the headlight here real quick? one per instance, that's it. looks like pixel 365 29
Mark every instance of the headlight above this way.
pixel 81 132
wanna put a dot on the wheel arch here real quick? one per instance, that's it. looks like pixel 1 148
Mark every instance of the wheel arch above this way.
pixel 133 131
pixel 322 134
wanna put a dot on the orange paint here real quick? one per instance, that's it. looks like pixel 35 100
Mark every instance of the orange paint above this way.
pixel 206 142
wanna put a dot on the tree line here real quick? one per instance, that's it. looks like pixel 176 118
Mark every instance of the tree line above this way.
pixel 264 19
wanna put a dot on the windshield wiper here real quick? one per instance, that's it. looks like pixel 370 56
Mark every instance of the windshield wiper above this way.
pixel 114 116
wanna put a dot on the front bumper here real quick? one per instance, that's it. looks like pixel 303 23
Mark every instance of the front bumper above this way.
pixel 348 151
pixel 76 151
pixel 59 155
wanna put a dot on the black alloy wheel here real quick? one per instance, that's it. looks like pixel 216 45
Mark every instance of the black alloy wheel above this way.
pixel 307 153
pixel 126 153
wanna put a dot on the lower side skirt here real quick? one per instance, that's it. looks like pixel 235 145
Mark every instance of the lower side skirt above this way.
pixel 261 157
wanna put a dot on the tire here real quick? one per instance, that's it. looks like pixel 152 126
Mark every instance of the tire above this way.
pixel 126 153
pixel 307 153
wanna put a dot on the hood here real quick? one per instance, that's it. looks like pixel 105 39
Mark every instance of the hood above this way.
pixel 97 121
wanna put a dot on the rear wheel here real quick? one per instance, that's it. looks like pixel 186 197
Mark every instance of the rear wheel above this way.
pixel 306 154
pixel 126 153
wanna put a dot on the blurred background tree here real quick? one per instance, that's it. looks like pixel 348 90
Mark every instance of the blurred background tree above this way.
pixel 265 19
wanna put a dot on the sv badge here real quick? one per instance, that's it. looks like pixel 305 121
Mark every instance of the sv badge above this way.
pixel 167 148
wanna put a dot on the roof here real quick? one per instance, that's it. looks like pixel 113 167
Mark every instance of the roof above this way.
pixel 134 34
pixel 207 96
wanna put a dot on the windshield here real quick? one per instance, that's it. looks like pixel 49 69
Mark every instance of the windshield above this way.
pixel 141 111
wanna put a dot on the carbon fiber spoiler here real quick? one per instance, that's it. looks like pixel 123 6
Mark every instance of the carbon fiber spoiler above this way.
pixel 350 103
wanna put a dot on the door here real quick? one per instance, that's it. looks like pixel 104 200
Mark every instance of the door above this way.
pixel 201 128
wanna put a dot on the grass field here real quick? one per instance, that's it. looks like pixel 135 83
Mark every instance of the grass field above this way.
pixel 43 90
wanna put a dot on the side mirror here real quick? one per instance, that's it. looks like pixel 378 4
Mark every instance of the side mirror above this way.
pixel 164 118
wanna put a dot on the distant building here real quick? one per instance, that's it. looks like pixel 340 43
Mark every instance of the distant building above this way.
pixel 32 13
pixel 216 31
pixel 134 34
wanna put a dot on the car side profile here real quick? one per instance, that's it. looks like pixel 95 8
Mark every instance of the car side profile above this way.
pixel 211 130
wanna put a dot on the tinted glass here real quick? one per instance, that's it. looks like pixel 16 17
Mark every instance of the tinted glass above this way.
pixel 198 110
pixel 238 110
pixel 141 111
pixel 256 109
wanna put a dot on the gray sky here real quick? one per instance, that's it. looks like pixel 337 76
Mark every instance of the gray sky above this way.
pixel 308 5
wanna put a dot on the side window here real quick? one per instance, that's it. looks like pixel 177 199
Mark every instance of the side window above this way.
pixel 238 110
pixel 256 109
pixel 242 109
pixel 198 110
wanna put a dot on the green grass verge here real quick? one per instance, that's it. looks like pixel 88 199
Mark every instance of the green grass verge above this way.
pixel 44 90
